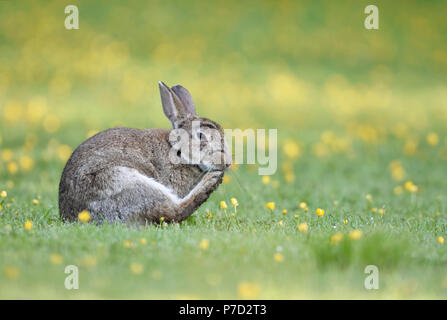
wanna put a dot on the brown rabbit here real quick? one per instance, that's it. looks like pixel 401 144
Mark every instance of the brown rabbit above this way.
pixel 140 176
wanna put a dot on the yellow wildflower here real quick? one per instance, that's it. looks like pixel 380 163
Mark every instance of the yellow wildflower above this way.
pixel 56 259
pixel 303 227
pixel 320 212
pixel 248 290
pixel 265 179
pixel 284 212
pixel 270 205
pixel 204 244
pixel 127 244
pixel 7 155
pixel 336 238
pixel 28 225
pixel 432 139
pixel 441 240
pixel 280 223
pixel 291 149
pixel 84 216
pixel 355 234
pixel 410 186
pixel 27 163
pixel 143 241
pixel 234 202
pixel 223 205
pixel 13 167
pixel 3 194
pixel 278 257
pixel 35 202
pixel 410 147
pixel 397 170
pixel 64 152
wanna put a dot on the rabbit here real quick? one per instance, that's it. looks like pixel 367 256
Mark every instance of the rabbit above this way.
pixel 129 176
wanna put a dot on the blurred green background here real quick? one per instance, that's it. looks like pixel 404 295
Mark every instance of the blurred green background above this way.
pixel 359 112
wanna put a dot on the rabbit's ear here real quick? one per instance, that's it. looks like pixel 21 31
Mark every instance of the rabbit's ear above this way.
pixel 172 105
pixel 185 97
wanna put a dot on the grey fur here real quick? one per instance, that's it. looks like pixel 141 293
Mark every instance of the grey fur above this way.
pixel 116 174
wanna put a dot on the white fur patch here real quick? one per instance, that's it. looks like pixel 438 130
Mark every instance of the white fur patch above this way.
pixel 128 177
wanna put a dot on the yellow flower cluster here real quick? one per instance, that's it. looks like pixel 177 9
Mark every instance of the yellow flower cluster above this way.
pixel 16 162
pixel 353 235
pixel 320 212
pixel 303 206
pixel 411 187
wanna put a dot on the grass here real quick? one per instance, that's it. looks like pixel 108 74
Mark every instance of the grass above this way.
pixel 401 243
pixel 361 127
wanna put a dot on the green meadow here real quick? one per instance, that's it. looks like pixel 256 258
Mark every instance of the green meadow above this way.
pixel 362 140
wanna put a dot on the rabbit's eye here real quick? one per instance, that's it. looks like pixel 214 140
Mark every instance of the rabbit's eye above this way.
pixel 201 136
pixel 179 153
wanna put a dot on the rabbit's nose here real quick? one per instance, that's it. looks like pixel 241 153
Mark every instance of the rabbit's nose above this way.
pixel 228 161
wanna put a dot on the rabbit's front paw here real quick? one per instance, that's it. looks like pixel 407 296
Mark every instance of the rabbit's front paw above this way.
pixel 213 178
